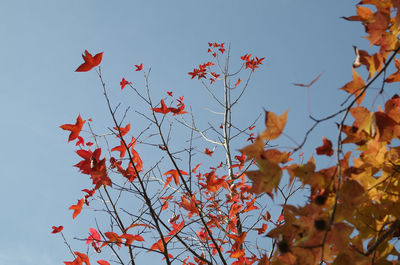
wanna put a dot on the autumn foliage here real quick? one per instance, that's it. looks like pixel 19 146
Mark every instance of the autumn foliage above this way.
pixel 193 206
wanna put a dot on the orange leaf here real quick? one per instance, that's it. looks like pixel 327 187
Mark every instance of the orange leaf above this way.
pixel 90 61
pixel 130 238
pixel 175 174
pixel 355 87
pixel 195 168
pixel 75 129
pixel 176 228
pixel 134 225
pixel 396 76
pixel 189 206
pixel 274 125
pixel 82 257
pixel 238 82
pixel 159 244
pixel 103 262
pixel 113 238
pixel 77 208
pixel 262 229
pixel 238 239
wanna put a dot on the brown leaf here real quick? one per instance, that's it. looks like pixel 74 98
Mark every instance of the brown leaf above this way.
pixel 274 125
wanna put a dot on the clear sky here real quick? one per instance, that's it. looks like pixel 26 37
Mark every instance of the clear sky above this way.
pixel 41 46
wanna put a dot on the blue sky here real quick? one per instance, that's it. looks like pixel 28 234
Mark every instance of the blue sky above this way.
pixel 41 46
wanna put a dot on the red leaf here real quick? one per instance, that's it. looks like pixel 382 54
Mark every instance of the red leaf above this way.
pixel 262 229
pixel 169 93
pixel 123 83
pixel 326 148
pixel 208 152
pixel 93 237
pixel 176 228
pixel 90 61
pixel 82 257
pixel 195 168
pixel 238 82
pixel 175 174
pixel 124 130
pixel 135 225
pixel 57 229
pixel 103 262
pixel 159 244
pixel 189 206
pixel 112 238
pixel 139 67
pixel 281 218
pixel 75 129
pixel 80 141
pixel 77 208
pixel 163 109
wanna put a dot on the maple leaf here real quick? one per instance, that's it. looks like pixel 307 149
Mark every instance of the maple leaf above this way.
pixel 75 129
pixel 90 61
pixel 262 229
pixel 238 239
pixel 274 125
pixel 163 109
pixel 130 238
pixel 267 178
pixel 94 237
pixel 112 238
pixel 189 206
pixel 208 152
pixel 396 76
pixel 77 208
pixel 121 148
pixel 175 174
pixel 195 168
pixel 355 87
pixel 159 244
pixel 213 184
pixel 255 149
pixel 57 229
pixel 238 82
pixel 139 67
pixel 83 257
pixel 392 108
pixel 80 141
pixel 235 208
pixel 363 14
pixel 123 83
pixel 99 176
pixel 180 109
pixel 90 160
pixel 176 228
pixel 169 93
pixel 311 83
pixel 326 148
pixel 123 130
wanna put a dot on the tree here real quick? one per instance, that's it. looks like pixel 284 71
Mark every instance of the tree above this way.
pixel 190 212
